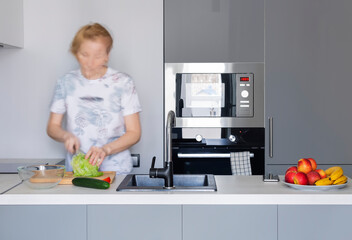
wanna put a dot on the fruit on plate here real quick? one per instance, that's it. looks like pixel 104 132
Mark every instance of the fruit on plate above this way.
pixel 304 165
pixel 321 173
pixel 323 182
pixel 289 177
pixel 291 169
pixel 290 173
pixel 300 178
pixel 313 176
pixel 331 169
pixel 340 180
pixel 306 173
pixel 313 163
pixel 334 172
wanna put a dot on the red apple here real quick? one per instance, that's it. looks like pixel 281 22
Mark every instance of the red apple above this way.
pixel 300 178
pixel 291 169
pixel 289 177
pixel 321 173
pixel 304 165
pixel 290 173
pixel 313 163
pixel 313 176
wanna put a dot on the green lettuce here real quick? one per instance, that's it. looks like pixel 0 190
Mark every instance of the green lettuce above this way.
pixel 82 168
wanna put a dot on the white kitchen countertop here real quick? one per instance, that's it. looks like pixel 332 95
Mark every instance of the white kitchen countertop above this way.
pixel 231 190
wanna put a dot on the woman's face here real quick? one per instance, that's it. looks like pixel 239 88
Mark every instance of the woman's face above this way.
pixel 92 55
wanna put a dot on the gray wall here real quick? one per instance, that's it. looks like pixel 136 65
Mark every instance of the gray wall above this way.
pixel 28 75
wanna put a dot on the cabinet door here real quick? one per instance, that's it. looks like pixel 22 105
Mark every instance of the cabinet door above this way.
pixel 54 222
pixel 224 222
pixel 308 81
pixel 11 23
pixel 130 222
pixel 214 31
pixel 314 222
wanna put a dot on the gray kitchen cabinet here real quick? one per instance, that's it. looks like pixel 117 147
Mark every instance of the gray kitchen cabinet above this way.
pixel 314 222
pixel 214 30
pixel 11 23
pixel 228 222
pixel 307 82
pixel 54 222
pixel 130 222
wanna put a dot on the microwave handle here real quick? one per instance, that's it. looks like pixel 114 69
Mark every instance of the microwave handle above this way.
pixel 180 103
pixel 207 155
pixel 179 107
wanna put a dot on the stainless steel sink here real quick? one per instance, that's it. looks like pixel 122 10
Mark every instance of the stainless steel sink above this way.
pixel 142 182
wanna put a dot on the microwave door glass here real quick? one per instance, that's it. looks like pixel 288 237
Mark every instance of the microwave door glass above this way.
pixel 203 95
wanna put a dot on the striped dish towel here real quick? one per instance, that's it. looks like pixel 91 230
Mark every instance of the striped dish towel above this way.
pixel 241 163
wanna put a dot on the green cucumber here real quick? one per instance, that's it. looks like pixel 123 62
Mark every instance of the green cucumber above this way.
pixel 90 183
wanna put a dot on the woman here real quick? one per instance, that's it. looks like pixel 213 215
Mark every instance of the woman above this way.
pixel 101 105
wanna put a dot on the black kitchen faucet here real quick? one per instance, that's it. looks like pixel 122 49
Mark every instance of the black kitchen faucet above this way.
pixel 167 172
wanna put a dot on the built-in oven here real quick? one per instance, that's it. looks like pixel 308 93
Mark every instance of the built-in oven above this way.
pixel 219 110
pixel 211 154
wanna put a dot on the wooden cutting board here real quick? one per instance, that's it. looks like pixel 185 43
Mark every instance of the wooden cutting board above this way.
pixel 69 176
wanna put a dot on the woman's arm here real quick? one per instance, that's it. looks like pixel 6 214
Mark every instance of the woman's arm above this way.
pixel 131 137
pixel 56 132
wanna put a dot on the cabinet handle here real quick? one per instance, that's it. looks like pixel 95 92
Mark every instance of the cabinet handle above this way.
pixel 270 137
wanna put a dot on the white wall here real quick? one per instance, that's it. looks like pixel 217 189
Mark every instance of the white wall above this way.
pixel 28 75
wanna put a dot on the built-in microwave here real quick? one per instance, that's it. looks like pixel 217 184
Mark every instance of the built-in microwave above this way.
pixel 215 94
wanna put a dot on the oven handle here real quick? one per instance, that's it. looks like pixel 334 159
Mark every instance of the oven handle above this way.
pixel 207 155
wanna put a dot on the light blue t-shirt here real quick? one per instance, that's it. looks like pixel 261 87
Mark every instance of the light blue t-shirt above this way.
pixel 95 111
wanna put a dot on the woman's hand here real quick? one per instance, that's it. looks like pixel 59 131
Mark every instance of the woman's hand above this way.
pixel 55 131
pixel 96 155
pixel 71 142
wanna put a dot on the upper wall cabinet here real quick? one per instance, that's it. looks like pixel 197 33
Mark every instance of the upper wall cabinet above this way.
pixel 11 23
pixel 308 81
pixel 214 31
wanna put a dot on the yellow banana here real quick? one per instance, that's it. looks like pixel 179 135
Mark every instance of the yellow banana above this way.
pixel 330 170
pixel 323 182
pixel 340 180
pixel 336 174
pixel 339 183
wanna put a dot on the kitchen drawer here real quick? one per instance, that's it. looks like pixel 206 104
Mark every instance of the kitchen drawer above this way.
pixel 130 222
pixel 225 222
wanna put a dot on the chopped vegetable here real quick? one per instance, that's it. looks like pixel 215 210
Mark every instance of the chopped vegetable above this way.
pixel 82 168
pixel 108 179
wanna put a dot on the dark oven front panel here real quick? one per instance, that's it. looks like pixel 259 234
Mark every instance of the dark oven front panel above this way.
pixel 213 165
pixel 212 156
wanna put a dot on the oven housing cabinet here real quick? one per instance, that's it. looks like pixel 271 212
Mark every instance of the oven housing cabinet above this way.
pixel 205 136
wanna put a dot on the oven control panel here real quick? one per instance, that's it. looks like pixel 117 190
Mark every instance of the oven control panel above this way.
pixel 244 95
